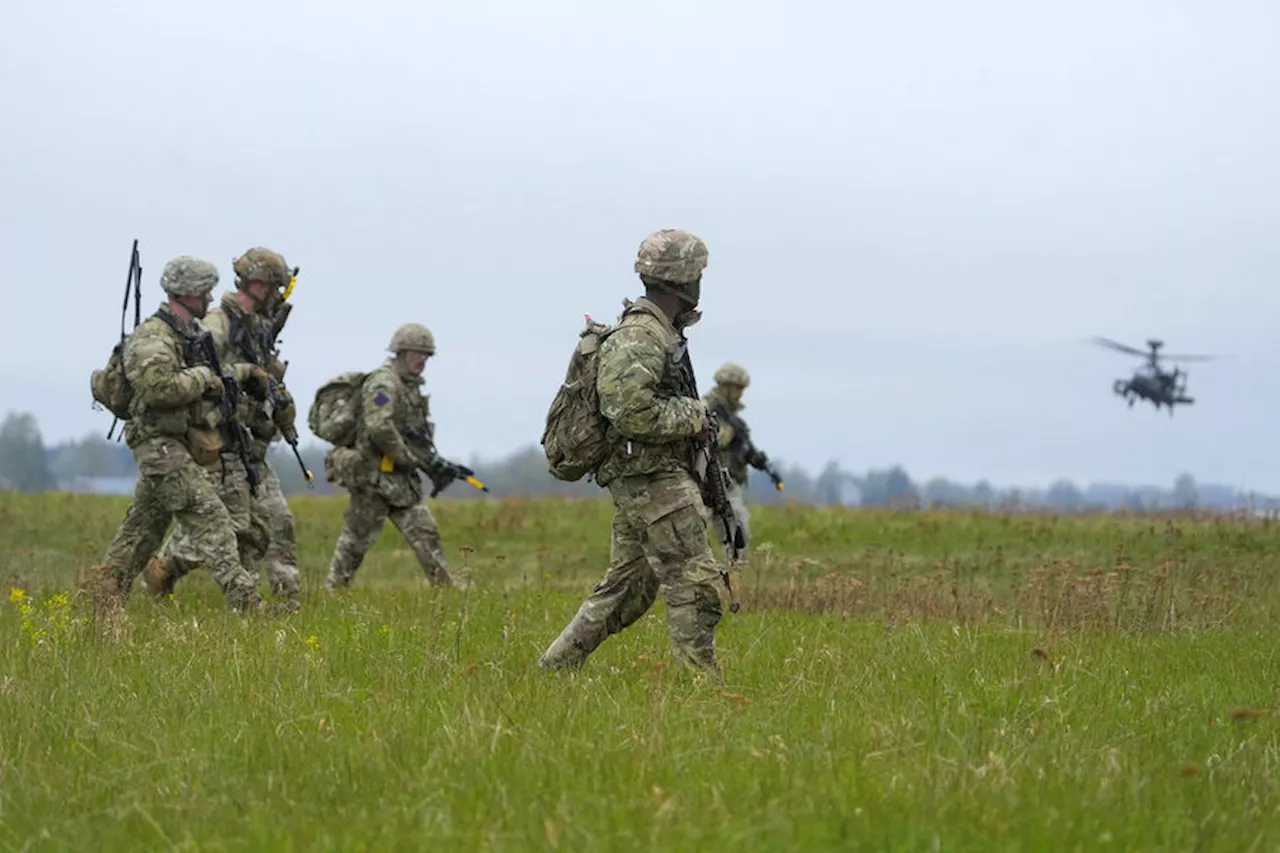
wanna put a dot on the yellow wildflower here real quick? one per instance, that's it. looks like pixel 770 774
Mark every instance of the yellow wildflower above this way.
pixel 16 595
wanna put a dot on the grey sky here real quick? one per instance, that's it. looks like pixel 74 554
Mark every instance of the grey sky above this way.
pixel 923 207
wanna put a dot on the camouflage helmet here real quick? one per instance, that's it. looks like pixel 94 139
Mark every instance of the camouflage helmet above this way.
pixel 187 275
pixel 415 337
pixel 674 258
pixel 732 374
pixel 259 264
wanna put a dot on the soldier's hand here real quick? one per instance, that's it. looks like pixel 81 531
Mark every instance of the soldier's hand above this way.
pixel 286 416
pixel 277 368
pixel 213 389
pixel 286 413
pixel 258 384
pixel 703 435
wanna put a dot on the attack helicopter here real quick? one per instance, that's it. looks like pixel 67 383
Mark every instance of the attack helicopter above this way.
pixel 1151 382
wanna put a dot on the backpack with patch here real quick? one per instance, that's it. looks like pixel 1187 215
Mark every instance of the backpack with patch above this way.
pixel 336 409
pixel 110 387
pixel 574 439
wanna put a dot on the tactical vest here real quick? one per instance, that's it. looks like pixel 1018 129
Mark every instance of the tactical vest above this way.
pixel 633 457
pixel 148 422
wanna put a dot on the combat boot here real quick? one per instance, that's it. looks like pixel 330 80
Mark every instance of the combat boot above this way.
pixel 567 652
pixel 159 577
pixel 245 599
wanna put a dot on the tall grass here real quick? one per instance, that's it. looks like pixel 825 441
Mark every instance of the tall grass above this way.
pixel 903 681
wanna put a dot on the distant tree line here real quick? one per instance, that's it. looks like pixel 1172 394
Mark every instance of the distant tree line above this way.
pixel 97 464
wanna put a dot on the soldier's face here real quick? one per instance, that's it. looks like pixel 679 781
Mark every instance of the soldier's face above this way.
pixel 732 394
pixel 261 293
pixel 197 305
pixel 415 362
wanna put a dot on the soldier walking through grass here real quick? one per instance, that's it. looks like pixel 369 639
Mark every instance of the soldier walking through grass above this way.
pixel 244 335
pixel 656 432
pixel 393 440
pixel 737 451
pixel 174 431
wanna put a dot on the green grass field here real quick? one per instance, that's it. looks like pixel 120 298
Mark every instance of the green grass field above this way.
pixel 904 680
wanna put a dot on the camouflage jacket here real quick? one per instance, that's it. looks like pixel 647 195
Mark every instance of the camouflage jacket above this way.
pixel 168 410
pixel 393 406
pixel 648 396
pixel 733 452
pixel 243 340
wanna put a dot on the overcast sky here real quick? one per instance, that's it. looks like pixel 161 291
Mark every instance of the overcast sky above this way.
pixel 917 212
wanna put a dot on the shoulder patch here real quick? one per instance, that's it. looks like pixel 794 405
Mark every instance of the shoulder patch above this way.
pixel 381 399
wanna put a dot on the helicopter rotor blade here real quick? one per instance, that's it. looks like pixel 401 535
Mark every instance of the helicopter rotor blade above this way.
pixel 1107 342
pixel 1189 357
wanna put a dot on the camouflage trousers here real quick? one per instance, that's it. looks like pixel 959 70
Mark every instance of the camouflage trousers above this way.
pixel 738 500
pixel 659 543
pixel 362 522
pixel 188 494
pixel 264 530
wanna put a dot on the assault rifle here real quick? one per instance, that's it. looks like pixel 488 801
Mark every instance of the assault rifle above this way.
pixel 274 392
pixel 716 496
pixel 289 433
pixel 715 483
pixel 441 471
pixel 742 447
pixel 207 353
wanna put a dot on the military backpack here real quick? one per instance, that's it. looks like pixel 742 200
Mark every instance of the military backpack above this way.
pixel 575 440
pixel 335 413
pixel 110 386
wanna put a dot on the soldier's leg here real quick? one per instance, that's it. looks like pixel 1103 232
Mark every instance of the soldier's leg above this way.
pixel 624 595
pixel 137 537
pixel 182 554
pixel 676 546
pixel 281 557
pixel 193 498
pixel 420 532
pixel 362 522
pixel 231 483
pixel 419 529
pixel 176 560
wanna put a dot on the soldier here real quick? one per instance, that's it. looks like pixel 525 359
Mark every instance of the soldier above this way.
pixel 394 441
pixel 243 333
pixel 174 434
pixel 737 451
pixel 657 429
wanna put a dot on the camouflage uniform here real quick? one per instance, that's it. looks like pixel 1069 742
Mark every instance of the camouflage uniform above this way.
pixel 381 472
pixel 731 380
pixel 648 396
pixel 263 523
pixel 173 433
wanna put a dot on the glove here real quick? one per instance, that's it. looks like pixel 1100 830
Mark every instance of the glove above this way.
pixel 286 412
pixel 704 431
pixel 442 473
pixel 213 389
pixel 258 384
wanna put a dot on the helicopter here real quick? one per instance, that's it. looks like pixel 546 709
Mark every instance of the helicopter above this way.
pixel 1150 382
